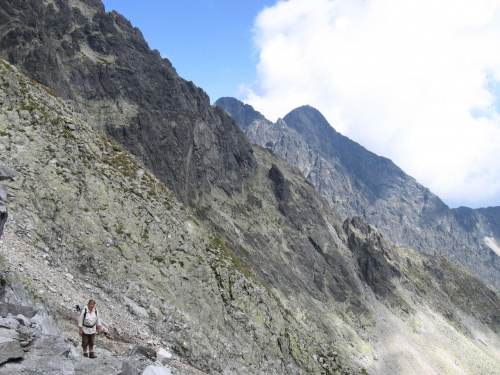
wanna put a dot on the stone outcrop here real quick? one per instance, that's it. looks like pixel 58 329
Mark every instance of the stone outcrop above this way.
pixel 10 347
pixel 357 182
pixel 22 342
pixel 385 267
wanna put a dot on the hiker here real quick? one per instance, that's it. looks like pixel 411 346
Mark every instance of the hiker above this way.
pixel 88 321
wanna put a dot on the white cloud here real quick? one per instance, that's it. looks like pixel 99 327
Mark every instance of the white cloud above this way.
pixel 417 81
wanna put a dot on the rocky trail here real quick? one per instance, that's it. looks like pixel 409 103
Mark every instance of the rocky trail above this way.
pixel 63 292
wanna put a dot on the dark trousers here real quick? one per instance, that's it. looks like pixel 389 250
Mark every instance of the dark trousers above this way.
pixel 88 340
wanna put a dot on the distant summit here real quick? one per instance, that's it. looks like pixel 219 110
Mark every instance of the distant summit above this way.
pixel 244 114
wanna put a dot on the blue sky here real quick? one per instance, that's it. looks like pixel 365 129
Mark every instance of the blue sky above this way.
pixel 209 42
pixel 416 81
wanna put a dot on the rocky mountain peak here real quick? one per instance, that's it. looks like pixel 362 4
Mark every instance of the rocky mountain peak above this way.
pixel 243 114
pixel 308 120
pixel 370 169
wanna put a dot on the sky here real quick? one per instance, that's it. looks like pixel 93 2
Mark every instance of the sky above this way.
pixel 416 81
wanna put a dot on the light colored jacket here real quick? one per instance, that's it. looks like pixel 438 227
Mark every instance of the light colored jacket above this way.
pixel 92 321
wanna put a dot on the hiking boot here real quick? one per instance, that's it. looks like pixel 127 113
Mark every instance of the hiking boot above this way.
pixel 92 355
pixel 85 354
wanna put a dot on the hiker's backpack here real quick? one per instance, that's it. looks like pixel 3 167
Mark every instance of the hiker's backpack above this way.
pixel 85 314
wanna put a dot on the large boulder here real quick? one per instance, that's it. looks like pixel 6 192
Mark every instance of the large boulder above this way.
pixel 46 353
pixel 27 311
pixel 139 359
pixel 143 361
pixel 10 348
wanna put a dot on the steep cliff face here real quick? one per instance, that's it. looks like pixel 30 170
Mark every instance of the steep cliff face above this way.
pixel 104 64
pixel 359 183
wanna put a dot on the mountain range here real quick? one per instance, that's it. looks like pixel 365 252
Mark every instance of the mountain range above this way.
pixel 193 233
pixel 357 182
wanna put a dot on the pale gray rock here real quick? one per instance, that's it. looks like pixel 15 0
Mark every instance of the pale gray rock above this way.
pixel 14 309
pixel 163 355
pixel 7 173
pixel 135 365
pixel 14 300
pixel 9 332
pixel 46 355
pixel 3 193
pixel 138 310
pixel 157 370
pixel 10 349
pixel 104 364
pixel 144 351
pixel 140 362
pixel 23 320
pixel 46 323
pixel 9 322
